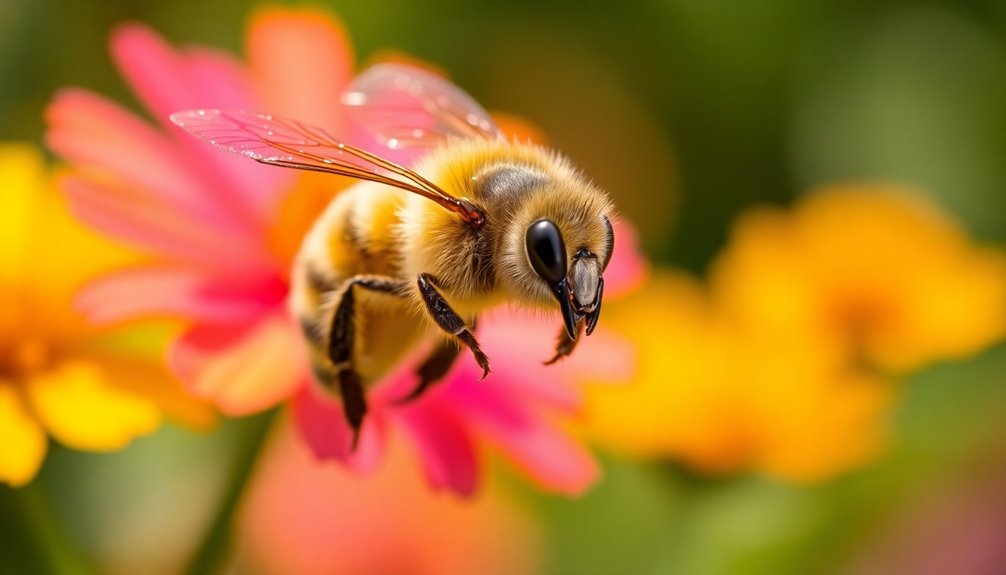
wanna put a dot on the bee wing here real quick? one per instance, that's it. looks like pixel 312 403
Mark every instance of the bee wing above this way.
pixel 292 144
pixel 407 107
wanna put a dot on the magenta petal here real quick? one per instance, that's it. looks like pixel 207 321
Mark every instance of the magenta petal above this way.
pixel 87 130
pixel 168 82
pixel 519 345
pixel 444 444
pixel 513 337
pixel 176 291
pixel 255 186
pixel 217 77
pixel 130 218
pixel 552 458
pixel 323 426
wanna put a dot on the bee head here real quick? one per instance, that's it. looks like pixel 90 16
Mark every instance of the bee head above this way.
pixel 577 283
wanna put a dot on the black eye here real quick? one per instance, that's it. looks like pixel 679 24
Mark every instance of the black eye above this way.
pixel 546 251
pixel 609 241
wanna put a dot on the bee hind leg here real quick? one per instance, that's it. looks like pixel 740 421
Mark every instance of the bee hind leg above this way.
pixel 341 343
pixel 449 320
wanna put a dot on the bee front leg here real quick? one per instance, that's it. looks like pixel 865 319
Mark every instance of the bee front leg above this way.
pixel 565 345
pixel 341 342
pixel 449 320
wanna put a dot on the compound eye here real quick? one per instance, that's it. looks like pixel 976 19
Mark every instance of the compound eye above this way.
pixel 546 251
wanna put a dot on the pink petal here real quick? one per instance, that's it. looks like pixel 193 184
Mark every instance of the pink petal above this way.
pixel 244 368
pixel 301 61
pixel 550 457
pixel 193 295
pixel 526 377
pixel 131 217
pixel 219 80
pixel 168 82
pixel 303 518
pixel 628 267
pixel 444 445
pixel 606 356
pixel 99 136
pixel 322 424
pixel 520 342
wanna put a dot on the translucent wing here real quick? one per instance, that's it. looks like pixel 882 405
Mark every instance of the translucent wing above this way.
pixel 292 144
pixel 407 107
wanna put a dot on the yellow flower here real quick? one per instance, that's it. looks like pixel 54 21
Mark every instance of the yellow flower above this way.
pixel 884 276
pixel 59 377
pixel 723 399
pixel 782 364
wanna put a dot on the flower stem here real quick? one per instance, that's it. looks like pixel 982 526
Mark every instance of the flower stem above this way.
pixel 31 539
pixel 210 558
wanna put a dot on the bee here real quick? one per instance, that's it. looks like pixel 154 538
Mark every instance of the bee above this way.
pixel 479 220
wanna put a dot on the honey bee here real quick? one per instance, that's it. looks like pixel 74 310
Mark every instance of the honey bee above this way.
pixel 478 220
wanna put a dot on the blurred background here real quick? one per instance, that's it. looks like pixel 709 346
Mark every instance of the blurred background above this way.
pixel 690 114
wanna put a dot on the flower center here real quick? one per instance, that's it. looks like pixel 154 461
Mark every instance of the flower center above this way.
pixel 24 357
pixel 862 317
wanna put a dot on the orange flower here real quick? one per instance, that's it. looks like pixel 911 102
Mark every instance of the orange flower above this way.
pixel 59 376
pixel 723 400
pixel 881 274
pixel 783 364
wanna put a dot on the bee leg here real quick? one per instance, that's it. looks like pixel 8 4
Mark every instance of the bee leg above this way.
pixel 433 369
pixel 565 344
pixel 340 347
pixel 449 320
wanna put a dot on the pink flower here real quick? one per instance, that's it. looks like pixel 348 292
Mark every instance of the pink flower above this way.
pixel 299 517
pixel 221 233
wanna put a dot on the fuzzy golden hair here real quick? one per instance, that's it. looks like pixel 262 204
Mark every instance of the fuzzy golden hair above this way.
pixel 549 187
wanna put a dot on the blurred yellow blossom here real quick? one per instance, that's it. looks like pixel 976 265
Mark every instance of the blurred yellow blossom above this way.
pixel 723 399
pixel 783 363
pixel 58 376
pixel 884 276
